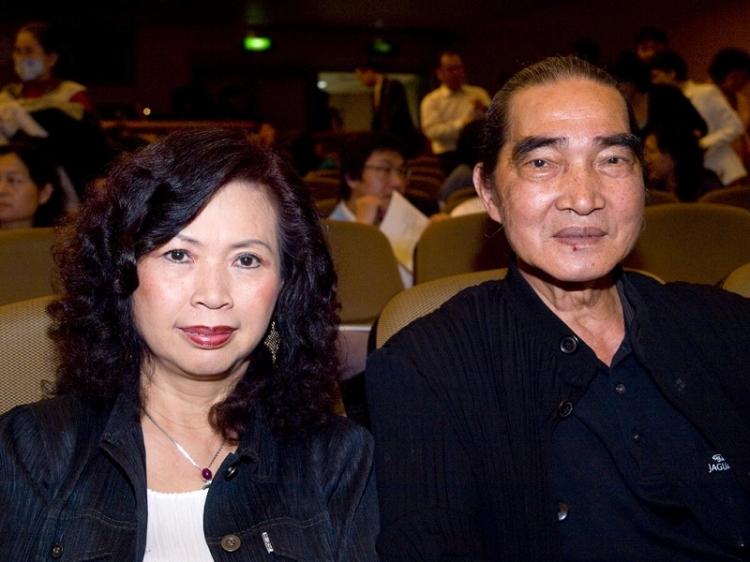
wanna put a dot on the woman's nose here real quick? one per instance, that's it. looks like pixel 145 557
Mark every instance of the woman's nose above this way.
pixel 212 288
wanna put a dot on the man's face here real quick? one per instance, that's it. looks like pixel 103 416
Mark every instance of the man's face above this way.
pixel 645 50
pixel 451 71
pixel 568 186
pixel 367 76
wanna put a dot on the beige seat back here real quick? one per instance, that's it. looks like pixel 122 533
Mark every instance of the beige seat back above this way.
pixel 738 196
pixel 26 265
pixel 366 268
pixel 695 242
pixel 28 355
pixel 422 299
pixel 460 245
pixel 739 281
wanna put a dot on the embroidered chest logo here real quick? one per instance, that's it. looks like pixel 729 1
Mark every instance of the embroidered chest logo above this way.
pixel 718 465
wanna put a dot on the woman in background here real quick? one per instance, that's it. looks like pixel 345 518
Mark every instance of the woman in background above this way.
pixel 30 192
pixel 43 105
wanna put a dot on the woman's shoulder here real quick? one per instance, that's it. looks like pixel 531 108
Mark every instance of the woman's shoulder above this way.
pixel 53 424
pixel 44 436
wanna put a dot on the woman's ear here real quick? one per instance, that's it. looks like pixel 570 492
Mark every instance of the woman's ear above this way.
pixel 45 193
pixel 487 193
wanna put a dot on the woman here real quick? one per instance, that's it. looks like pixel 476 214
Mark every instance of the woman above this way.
pixel 193 411
pixel 43 105
pixel 30 192
pixel 572 410
pixel 674 163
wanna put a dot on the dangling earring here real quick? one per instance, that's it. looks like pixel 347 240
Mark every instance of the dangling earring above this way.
pixel 272 341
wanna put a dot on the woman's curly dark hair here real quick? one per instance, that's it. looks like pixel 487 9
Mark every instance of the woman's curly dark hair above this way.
pixel 148 197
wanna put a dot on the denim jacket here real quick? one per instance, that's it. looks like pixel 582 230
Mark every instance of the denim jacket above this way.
pixel 73 487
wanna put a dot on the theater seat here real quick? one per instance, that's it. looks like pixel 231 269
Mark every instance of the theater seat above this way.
pixel 28 355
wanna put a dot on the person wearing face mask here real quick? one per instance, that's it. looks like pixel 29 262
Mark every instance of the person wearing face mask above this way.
pixel 43 105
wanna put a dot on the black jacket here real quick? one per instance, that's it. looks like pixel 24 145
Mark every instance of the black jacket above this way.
pixel 74 488
pixel 464 403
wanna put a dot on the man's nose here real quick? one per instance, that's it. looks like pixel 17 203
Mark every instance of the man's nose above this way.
pixel 582 190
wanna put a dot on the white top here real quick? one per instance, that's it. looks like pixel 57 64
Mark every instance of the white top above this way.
pixel 471 206
pixel 724 126
pixel 175 527
pixel 444 112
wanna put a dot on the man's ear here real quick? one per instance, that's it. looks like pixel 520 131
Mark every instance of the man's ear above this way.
pixel 487 193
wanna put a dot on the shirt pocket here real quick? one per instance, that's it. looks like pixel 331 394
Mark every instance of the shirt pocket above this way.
pixel 91 536
pixel 286 538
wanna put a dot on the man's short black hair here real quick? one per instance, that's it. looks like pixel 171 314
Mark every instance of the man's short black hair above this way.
pixel 670 61
pixel 356 152
pixel 726 61
pixel 650 33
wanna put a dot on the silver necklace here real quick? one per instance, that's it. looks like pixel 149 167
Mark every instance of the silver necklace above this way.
pixel 206 472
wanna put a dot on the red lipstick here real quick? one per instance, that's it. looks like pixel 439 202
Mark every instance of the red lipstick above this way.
pixel 208 337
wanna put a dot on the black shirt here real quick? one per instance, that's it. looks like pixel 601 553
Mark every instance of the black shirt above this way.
pixel 636 481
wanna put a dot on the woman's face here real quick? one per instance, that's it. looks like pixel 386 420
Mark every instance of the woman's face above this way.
pixel 30 60
pixel 19 195
pixel 659 165
pixel 205 298
pixel 568 186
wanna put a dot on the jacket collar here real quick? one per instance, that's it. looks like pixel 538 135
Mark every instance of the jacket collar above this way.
pixel 123 435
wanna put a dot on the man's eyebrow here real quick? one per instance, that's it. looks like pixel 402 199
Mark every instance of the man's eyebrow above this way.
pixel 528 144
pixel 628 140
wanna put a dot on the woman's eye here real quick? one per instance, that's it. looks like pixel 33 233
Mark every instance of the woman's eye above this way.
pixel 248 260
pixel 176 256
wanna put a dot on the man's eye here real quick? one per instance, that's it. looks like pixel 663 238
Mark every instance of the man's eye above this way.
pixel 538 163
pixel 248 260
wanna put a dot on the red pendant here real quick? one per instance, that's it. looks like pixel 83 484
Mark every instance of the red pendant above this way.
pixel 207 474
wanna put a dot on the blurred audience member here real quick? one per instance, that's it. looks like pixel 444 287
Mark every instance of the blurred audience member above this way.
pixel 30 192
pixel 373 166
pixel 724 125
pixel 468 148
pixel 649 41
pixel 655 105
pixel 730 71
pixel 674 163
pixel 43 105
pixel 389 106
pixel 446 110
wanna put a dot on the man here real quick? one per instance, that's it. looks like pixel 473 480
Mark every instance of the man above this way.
pixel 446 110
pixel 389 106
pixel 571 410
pixel 724 125
pixel 648 42
pixel 730 71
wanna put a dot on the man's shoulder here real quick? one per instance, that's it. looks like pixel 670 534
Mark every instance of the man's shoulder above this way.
pixel 464 311
pixel 438 93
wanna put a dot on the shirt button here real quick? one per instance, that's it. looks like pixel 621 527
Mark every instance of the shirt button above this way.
pixel 231 472
pixel 56 551
pixel 230 543
pixel 569 344
pixel 620 389
pixel 562 511
pixel 565 409
pixel 636 436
